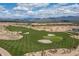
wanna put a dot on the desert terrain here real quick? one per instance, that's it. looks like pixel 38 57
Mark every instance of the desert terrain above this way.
pixel 5 34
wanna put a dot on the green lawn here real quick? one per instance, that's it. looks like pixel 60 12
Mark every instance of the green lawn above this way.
pixel 30 42
pixel 56 38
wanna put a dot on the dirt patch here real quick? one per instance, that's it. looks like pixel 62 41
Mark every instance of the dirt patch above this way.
pixel 9 35
pixel 75 36
pixel 3 52
pixel 55 52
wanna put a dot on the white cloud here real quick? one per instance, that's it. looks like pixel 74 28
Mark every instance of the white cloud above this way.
pixel 29 6
pixel 2 8
pixel 26 10
pixel 18 8
pixel 58 12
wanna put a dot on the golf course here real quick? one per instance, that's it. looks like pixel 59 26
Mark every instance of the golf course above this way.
pixel 30 41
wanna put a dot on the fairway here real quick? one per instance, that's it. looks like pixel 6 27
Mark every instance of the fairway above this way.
pixel 29 41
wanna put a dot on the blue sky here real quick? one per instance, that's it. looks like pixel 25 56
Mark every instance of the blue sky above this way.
pixel 8 5
pixel 38 10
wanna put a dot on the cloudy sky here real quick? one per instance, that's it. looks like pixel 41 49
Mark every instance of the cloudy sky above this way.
pixel 38 10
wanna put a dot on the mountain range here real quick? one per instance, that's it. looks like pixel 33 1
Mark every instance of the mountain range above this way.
pixel 57 19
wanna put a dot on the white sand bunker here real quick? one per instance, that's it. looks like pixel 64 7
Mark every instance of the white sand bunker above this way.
pixel 26 33
pixel 51 34
pixel 75 36
pixel 45 41
pixel 3 52
pixel 8 35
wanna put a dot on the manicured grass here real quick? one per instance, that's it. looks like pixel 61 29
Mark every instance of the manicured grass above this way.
pixel 29 42
pixel 56 38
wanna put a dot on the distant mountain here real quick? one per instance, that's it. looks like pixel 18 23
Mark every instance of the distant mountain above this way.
pixel 57 19
pixel 68 19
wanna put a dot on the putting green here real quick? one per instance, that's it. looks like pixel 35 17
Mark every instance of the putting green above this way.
pixel 29 41
pixel 56 38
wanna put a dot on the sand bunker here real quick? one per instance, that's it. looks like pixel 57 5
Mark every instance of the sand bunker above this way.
pixel 8 35
pixel 45 41
pixel 26 33
pixel 51 34
pixel 3 52
pixel 55 52
pixel 75 36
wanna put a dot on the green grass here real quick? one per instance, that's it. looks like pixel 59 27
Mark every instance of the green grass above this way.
pixel 56 38
pixel 29 43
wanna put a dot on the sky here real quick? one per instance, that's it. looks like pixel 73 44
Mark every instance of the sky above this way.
pixel 38 10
